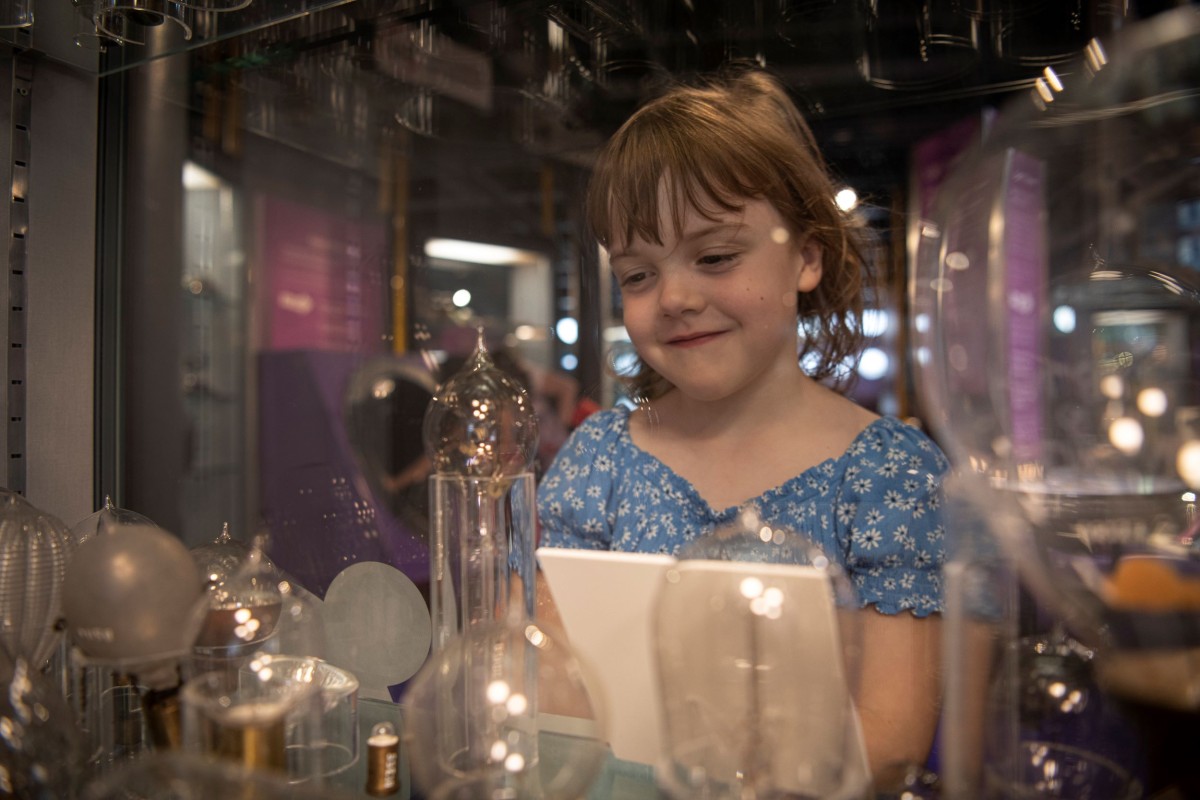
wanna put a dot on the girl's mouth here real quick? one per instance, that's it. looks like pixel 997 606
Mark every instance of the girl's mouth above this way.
pixel 694 339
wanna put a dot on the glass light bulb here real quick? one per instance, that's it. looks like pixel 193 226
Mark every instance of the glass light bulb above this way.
pixel 481 422
pixel 35 549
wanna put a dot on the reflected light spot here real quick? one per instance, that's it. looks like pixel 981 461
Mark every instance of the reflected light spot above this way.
pixel 874 364
pixel 1057 689
pixel 780 235
pixel 846 199
pixel 382 389
pixel 921 323
pixel 1152 401
pixel 1187 463
pixel 957 260
pixel 764 534
pixel 535 636
pixel 1188 497
pixel 751 587
pixel 1126 435
pixel 567 330
pixel 1064 319
pixel 569 361
pixel 499 750
pixel 517 704
pixel 1112 387
pixel 875 322
pixel 498 691
pixel 461 298
pixel 515 762
pixel 525 333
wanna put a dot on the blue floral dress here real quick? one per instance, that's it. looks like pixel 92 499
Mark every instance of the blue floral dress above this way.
pixel 877 506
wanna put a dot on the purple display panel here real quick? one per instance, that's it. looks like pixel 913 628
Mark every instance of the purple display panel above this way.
pixel 320 516
pixel 1023 250
pixel 325 276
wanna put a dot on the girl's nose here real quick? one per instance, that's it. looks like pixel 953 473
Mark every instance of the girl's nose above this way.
pixel 678 293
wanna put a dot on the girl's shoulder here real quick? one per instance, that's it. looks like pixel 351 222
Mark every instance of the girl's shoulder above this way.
pixel 600 431
pixel 892 439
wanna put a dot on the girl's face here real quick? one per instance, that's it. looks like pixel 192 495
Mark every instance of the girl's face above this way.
pixel 713 309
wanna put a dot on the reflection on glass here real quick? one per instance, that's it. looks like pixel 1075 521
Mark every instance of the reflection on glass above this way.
pixel 755 668
pixel 1064 372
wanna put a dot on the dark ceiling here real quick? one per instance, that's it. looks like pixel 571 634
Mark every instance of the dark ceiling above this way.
pixel 558 76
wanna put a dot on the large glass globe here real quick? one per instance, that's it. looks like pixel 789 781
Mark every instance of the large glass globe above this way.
pixel 757 643
pixel 1056 303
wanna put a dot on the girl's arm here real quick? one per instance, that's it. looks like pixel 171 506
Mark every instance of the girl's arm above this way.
pixel 899 690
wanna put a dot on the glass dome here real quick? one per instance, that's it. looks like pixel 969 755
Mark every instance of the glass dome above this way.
pixel 249 607
pixel 474 717
pixel 757 648
pixel 1056 308
pixel 108 519
pixel 1056 299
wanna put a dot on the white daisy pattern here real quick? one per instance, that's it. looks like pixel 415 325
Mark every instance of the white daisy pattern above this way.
pixel 605 493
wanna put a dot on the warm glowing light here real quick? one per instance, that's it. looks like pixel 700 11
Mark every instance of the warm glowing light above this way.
pixel 1112 387
pixel 846 199
pixel 515 762
pixel 780 235
pixel 461 298
pixel 1126 435
pixel 957 260
pixel 498 691
pixel 525 333
pixel 751 588
pixel 478 252
pixel 1152 401
pixel 499 750
pixel 1187 463
pixel 517 704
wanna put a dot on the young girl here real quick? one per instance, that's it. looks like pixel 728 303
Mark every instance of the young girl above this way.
pixel 717 213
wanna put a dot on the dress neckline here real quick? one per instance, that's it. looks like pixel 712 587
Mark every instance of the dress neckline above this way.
pixel 786 487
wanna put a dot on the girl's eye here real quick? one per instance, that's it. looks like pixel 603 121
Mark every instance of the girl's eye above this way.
pixel 630 279
pixel 716 259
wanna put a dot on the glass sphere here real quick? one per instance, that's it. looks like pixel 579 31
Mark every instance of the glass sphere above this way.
pixel 127 600
pixel 757 642
pixel 481 423
pixel 35 548
pixel 474 718
pixel 109 519
pixel 249 607
pixel 1056 298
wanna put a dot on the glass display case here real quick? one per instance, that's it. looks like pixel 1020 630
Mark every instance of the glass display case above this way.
pixel 267 231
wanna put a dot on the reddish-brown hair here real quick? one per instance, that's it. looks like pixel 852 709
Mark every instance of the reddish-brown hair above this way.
pixel 732 138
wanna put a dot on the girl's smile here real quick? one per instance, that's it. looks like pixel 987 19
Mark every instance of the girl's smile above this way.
pixel 713 308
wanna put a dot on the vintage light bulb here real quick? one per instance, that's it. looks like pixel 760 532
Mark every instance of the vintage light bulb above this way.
pixel 35 549
pixel 481 422
pixel 108 519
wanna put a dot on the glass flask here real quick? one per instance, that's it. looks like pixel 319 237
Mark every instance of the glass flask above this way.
pixel 757 642
pixel 503 711
pixel 481 436
pixel 249 607
pixel 35 548
pixel 1055 300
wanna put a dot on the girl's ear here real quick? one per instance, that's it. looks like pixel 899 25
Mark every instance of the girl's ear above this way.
pixel 808 261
